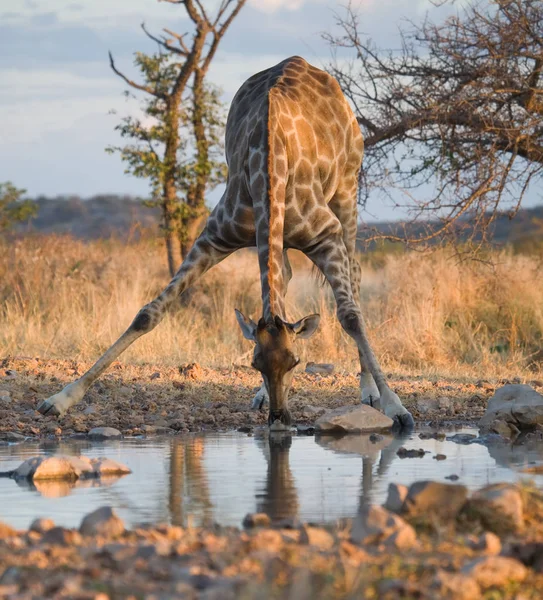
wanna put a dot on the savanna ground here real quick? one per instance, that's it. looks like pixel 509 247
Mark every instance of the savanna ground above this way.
pixel 447 334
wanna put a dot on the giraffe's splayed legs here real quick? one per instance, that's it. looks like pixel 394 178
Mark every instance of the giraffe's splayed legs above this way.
pixel 332 259
pixel 206 252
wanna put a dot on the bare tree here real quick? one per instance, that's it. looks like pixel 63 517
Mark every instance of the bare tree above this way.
pixel 180 66
pixel 459 105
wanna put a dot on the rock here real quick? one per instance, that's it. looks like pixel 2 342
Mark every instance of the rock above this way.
pixel 488 542
pixel 353 419
pixel 192 371
pixel 105 466
pixel 426 405
pixel 507 431
pixel 495 571
pixel 6 531
pixel 41 525
pixel 11 436
pixel 245 429
pixel 60 536
pixel 377 525
pixel 90 410
pixel 452 477
pixel 103 521
pixel 309 412
pixel 46 467
pixel 454 586
pixel 375 438
pixel 434 500
pixel 434 435
pixel 155 375
pixel 316 536
pixel 268 540
pixel 440 457
pixel 319 368
pixel 499 506
pixel 256 520
pixel 530 554
pixel 412 453
pixel 490 439
pixel 518 404
pixel 461 438
pixel 104 433
pixel 305 429
pixel 5 397
pixel 82 465
pixel 10 374
pixel 396 497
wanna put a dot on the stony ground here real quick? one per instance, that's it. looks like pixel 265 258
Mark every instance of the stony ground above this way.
pixel 377 555
pixel 147 399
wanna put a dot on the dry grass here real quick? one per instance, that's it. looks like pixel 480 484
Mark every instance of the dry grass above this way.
pixel 426 314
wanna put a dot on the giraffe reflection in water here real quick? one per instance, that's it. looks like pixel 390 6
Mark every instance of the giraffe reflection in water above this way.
pixel 189 488
pixel 279 498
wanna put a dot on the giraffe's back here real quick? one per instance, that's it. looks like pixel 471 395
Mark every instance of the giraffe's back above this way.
pixel 291 122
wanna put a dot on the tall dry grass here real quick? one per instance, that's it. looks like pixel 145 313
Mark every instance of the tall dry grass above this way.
pixel 427 314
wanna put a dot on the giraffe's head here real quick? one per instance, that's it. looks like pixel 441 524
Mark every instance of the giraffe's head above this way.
pixel 275 356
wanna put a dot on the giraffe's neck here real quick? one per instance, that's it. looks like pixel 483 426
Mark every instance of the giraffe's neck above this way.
pixel 273 302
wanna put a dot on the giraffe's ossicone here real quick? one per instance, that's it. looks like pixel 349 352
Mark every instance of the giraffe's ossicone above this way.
pixel 294 151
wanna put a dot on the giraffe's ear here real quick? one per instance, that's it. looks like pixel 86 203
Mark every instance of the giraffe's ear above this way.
pixel 247 326
pixel 306 327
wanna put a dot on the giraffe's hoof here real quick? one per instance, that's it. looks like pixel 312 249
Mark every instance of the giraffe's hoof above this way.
pixel 48 408
pixel 279 420
pixel 259 400
pixel 404 422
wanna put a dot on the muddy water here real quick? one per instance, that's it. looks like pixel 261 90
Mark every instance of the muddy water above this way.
pixel 221 477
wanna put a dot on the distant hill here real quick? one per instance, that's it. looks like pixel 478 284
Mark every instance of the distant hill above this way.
pixel 526 225
pixel 110 215
pixel 96 217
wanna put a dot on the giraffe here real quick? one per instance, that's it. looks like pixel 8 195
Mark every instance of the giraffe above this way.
pixel 294 150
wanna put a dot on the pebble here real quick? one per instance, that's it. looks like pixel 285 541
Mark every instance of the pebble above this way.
pixel 487 542
pixel 256 520
pixel 103 521
pixel 495 571
pixel 411 453
pixel 440 457
pixel 435 500
pixel 104 433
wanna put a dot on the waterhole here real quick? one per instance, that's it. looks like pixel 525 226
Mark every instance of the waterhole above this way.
pixel 219 478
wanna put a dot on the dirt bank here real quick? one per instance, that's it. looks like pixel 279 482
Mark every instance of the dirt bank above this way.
pixel 140 399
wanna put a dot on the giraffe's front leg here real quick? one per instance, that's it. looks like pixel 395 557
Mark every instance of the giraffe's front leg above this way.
pixel 369 391
pixel 261 398
pixel 58 404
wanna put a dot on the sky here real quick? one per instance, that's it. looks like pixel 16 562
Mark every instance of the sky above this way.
pixel 58 92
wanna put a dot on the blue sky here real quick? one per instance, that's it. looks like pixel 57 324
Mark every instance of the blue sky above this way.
pixel 58 90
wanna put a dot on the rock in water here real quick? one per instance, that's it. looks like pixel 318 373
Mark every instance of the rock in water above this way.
pixel 68 468
pixel 517 404
pixel 43 467
pixel 106 466
pixel 353 419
